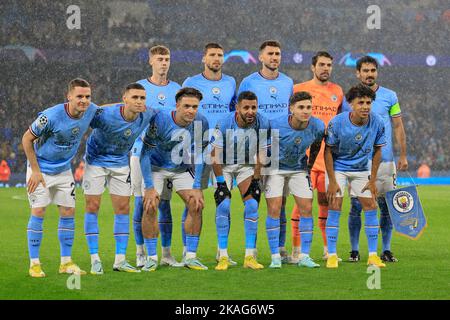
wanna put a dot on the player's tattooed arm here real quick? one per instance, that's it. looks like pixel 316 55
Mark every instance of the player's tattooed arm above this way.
pixel 36 175
pixel 400 137
pixel 333 186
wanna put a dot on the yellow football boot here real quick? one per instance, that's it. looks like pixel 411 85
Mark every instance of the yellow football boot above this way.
pixel 71 268
pixel 250 262
pixel 332 261
pixel 36 271
pixel 223 264
pixel 374 260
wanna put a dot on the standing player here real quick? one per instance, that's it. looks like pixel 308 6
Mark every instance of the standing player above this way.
pixel 352 138
pixel 235 143
pixel 327 101
pixel 219 95
pixel 296 133
pixel 160 96
pixel 165 155
pixel 50 144
pixel 273 89
pixel 115 130
pixel 387 107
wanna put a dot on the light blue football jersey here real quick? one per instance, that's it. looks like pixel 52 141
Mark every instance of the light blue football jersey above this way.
pixel 165 146
pixel 113 136
pixel 294 143
pixel 386 106
pixel 59 136
pixel 352 145
pixel 273 94
pixel 245 141
pixel 219 97
pixel 157 97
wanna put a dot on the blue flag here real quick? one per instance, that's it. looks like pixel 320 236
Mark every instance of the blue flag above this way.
pixel 406 212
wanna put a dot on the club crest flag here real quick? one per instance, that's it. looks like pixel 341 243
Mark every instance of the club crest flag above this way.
pixel 406 211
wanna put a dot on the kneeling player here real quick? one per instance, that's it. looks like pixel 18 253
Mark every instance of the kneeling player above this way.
pixel 296 133
pixel 235 143
pixel 165 157
pixel 352 138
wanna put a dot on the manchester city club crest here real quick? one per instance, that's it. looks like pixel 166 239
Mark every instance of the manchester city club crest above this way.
pixel 358 137
pixel 334 98
pixel 273 90
pixel 161 96
pixel 403 202
pixel 127 133
pixel 215 90
pixel 75 130
pixel 298 140
pixel 406 211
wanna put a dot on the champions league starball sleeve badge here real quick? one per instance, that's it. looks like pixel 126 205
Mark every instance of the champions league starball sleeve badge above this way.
pixel 406 212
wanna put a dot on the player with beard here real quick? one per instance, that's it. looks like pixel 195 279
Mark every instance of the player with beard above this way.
pixel 219 99
pixel 273 89
pixel 236 143
pixel 387 107
pixel 326 103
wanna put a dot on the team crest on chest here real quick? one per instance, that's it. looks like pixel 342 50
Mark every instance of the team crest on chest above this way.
pixel 161 96
pixel 75 130
pixel 358 137
pixel 215 90
pixel 273 90
pixel 298 140
pixel 334 98
pixel 127 133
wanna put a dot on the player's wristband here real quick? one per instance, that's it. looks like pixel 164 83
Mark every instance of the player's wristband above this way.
pixel 220 179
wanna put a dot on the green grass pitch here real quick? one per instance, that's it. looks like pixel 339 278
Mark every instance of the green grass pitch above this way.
pixel 422 273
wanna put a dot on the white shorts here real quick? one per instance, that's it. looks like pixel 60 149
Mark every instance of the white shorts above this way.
pixel 169 179
pixel 96 179
pixel 297 183
pixel 356 181
pixel 386 177
pixel 239 172
pixel 136 180
pixel 60 190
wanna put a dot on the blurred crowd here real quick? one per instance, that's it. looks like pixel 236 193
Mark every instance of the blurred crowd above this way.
pixel 31 84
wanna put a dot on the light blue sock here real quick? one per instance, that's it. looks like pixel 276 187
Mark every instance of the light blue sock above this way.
pixel 305 227
pixel 165 223
pixel 192 242
pixel 66 231
pixel 385 224
pixel 273 234
pixel 91 231
pixel 332 230
pixel 371 226
pixel 34 235
pixel 183 220
pixel 121 232
pixel 137 221
pixel 223 223
pixel 282 241
pixel 251 223
pixel 354 223
pixel 151 244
